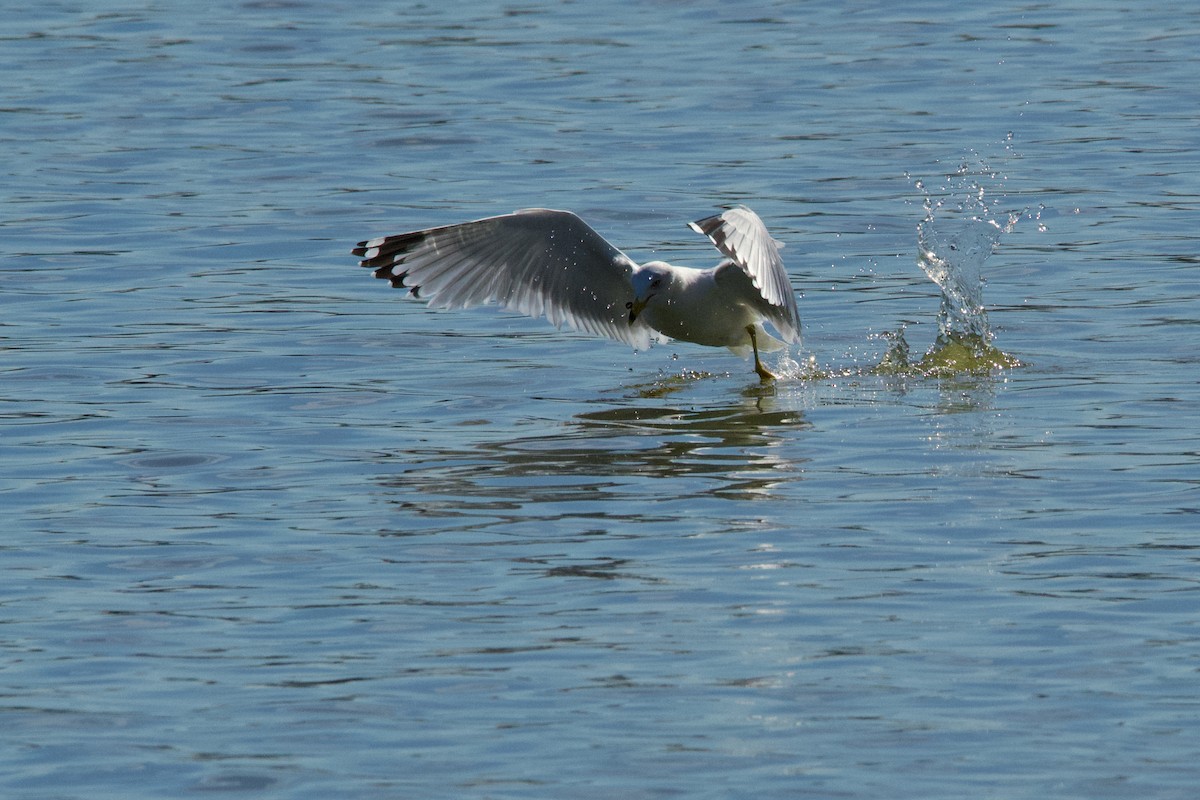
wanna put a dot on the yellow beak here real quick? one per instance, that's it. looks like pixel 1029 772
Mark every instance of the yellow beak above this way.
pixel 635 308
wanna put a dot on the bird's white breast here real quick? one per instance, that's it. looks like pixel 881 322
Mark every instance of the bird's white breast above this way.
pixel 693 308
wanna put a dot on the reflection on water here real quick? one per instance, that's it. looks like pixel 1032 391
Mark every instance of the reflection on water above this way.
pixel 607 455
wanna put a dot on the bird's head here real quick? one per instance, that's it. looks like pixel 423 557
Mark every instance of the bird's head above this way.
pixel 648 281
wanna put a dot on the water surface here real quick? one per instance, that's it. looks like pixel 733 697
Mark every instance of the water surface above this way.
pixel 271 529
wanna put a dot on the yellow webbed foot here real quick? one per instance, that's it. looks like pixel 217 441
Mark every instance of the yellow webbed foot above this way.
pixel 763 373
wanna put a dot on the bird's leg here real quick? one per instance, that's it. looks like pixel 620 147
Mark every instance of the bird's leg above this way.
pixel 763 373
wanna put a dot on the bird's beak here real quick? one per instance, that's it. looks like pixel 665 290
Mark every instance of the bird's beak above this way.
pixel 635 308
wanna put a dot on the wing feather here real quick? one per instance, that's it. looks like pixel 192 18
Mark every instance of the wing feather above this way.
pixel 538 262
pixel 741 236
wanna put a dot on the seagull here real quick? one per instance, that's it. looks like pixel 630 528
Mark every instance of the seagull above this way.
pixel 552 264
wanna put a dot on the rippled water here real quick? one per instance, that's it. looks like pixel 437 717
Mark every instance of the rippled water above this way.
pixel 272 529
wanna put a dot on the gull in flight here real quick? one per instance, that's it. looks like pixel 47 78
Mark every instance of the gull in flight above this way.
pixel 552 264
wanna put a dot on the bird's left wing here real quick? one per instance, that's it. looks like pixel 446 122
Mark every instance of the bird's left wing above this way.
pixel 538 262
pixel 742 236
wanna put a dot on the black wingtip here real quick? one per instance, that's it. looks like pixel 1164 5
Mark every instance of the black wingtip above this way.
pixel 385 273
pixel 396 281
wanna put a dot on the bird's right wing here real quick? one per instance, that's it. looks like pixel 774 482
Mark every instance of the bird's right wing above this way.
pixel 538 262
pixel 741 235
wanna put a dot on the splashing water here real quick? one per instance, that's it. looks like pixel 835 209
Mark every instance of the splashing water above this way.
pixel 958 234
pixel 952 253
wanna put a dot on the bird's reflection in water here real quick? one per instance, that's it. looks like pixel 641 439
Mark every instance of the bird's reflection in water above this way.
pixel 643 454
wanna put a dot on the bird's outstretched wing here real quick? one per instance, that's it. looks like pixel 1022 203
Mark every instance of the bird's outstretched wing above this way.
pixel 742 236
pixel 538 262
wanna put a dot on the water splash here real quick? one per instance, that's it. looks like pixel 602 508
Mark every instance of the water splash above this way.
pixel 959 233
pixel 952 252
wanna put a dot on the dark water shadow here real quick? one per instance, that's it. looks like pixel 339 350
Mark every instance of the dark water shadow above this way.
pixel 627 460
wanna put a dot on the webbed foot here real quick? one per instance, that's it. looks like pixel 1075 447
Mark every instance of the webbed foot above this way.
pixel 764 374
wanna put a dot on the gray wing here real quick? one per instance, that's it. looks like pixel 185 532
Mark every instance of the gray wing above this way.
pixel 742 236
pixel 538 262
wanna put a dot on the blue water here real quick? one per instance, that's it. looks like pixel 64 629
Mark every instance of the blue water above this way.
pixel 271 529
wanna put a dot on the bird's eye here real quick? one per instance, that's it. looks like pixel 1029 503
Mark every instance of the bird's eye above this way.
pixel 629 305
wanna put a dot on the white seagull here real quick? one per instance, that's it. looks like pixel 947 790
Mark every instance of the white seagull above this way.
pixel 552 264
